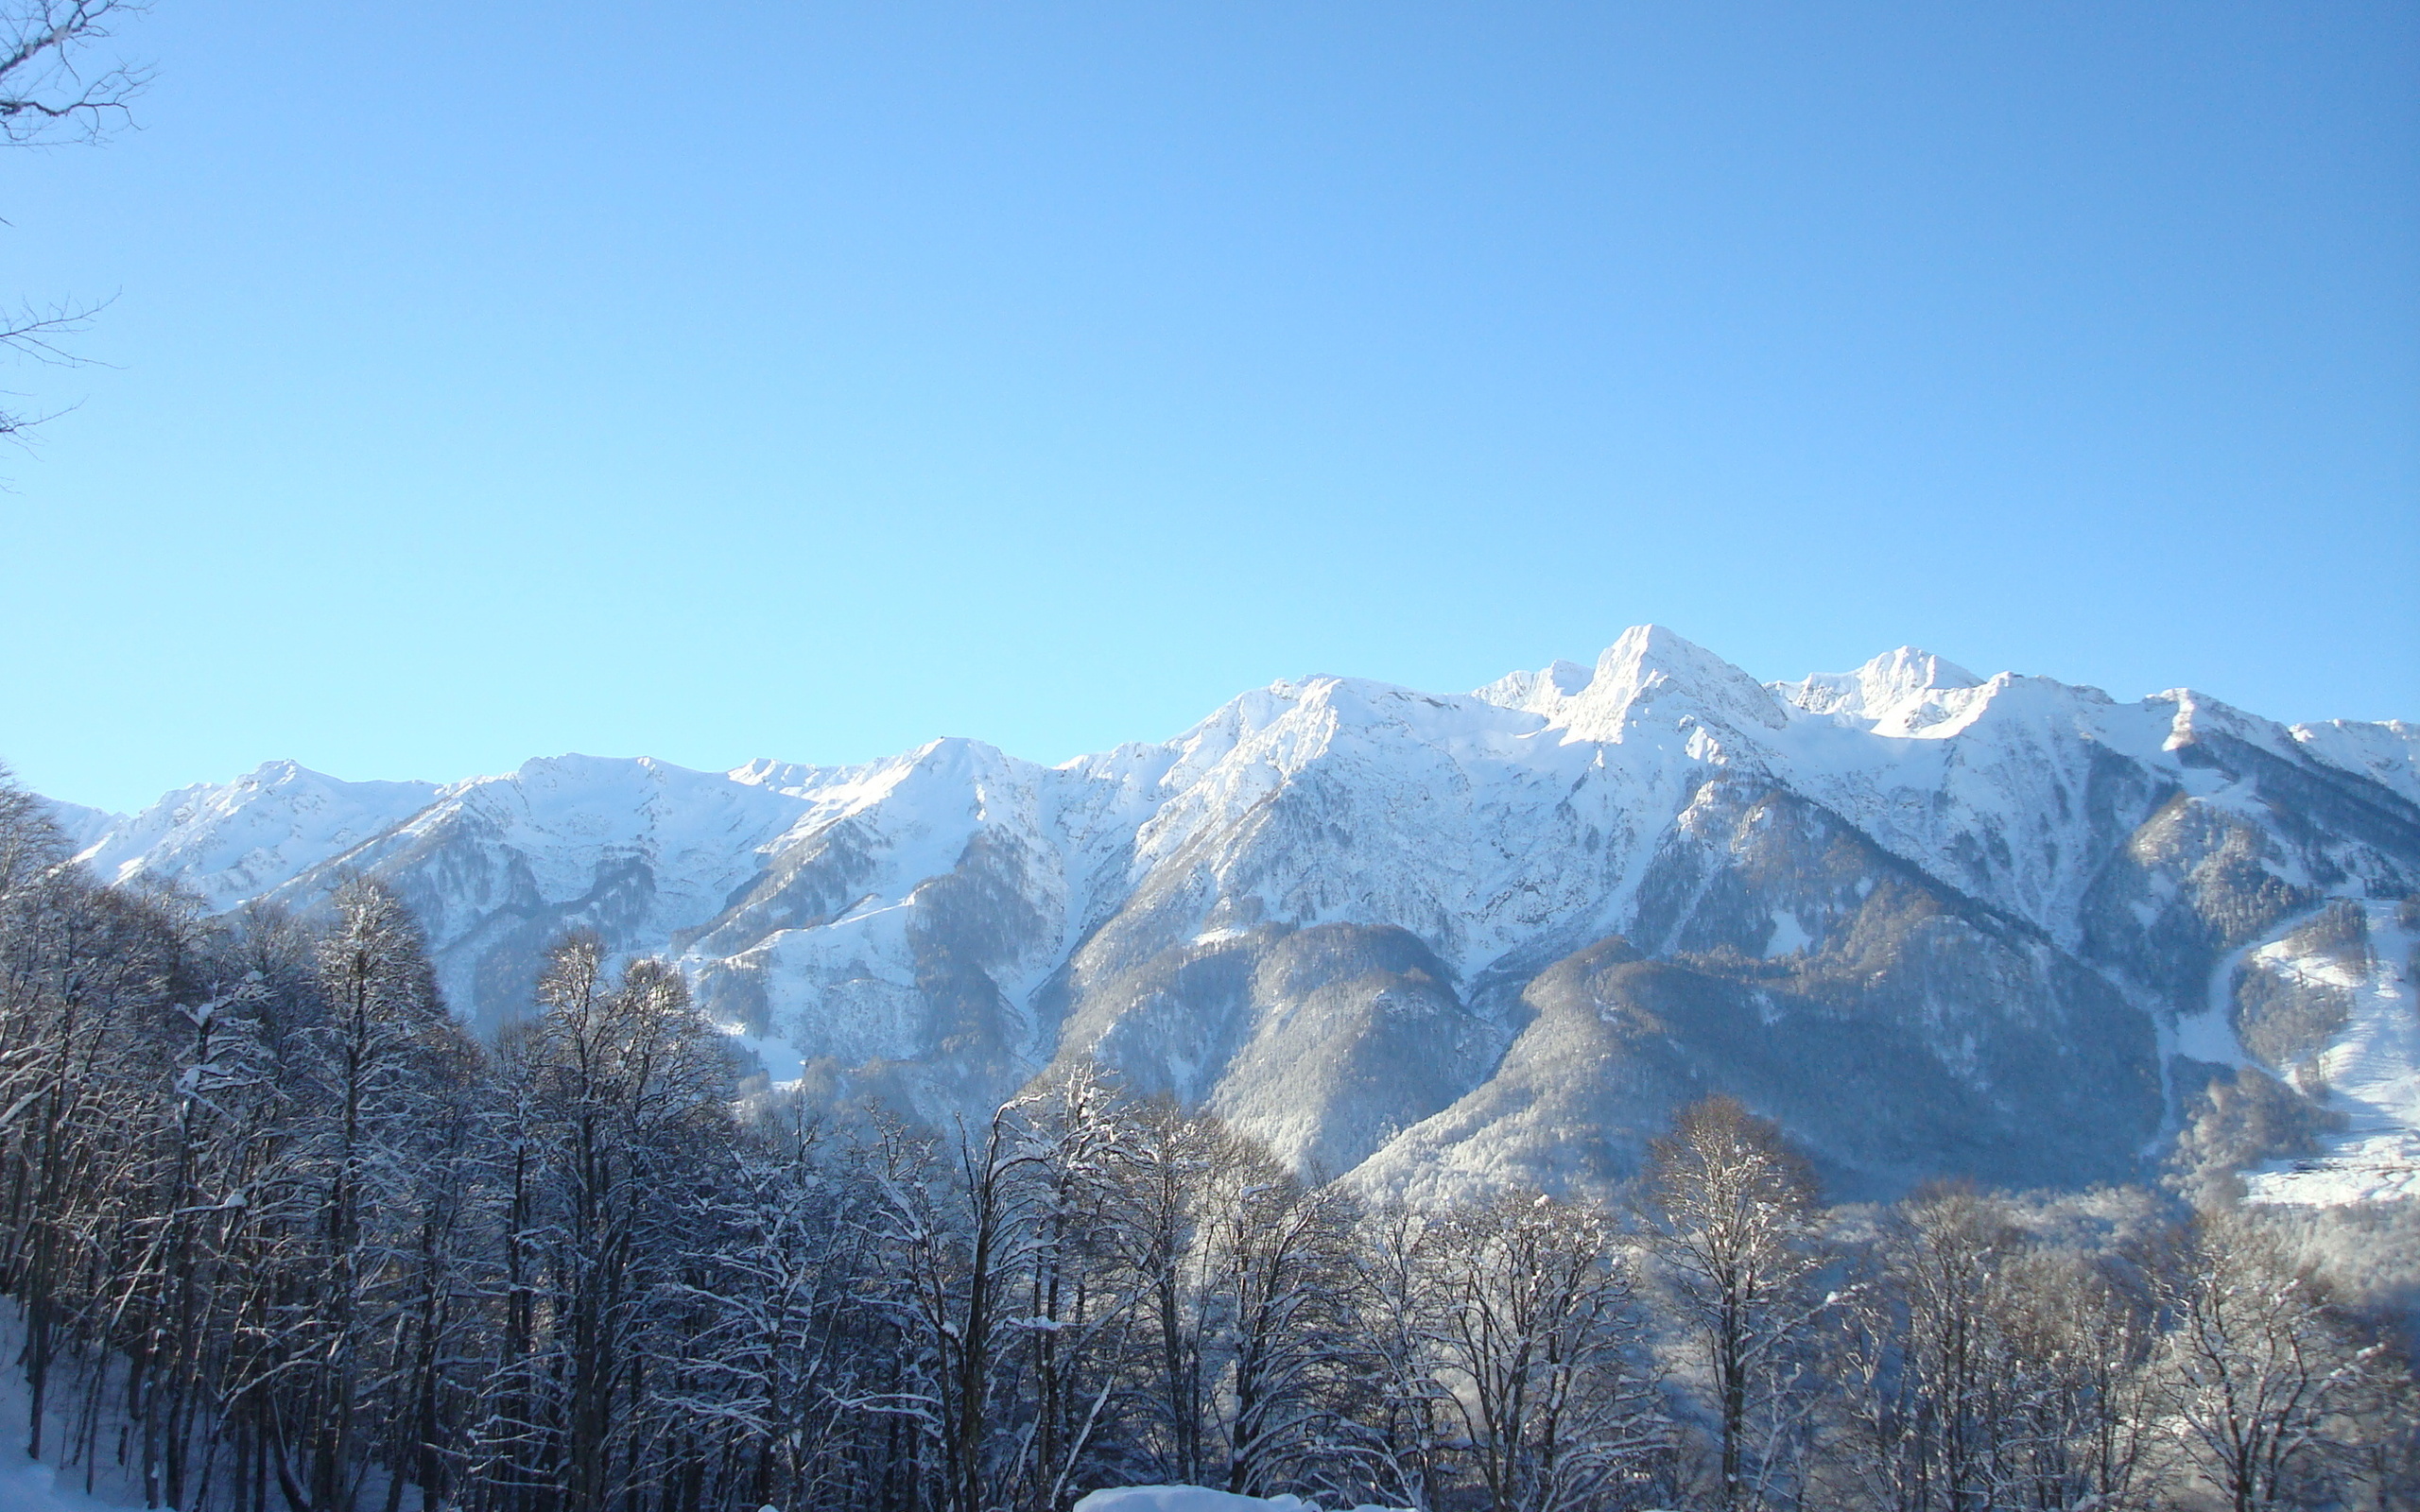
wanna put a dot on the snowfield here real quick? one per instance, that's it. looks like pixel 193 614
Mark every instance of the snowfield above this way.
pixel 2370 1071
pixel 28 1486
pixel 1194 1499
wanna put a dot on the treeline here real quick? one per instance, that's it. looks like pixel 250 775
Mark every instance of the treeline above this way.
pixel 282 1236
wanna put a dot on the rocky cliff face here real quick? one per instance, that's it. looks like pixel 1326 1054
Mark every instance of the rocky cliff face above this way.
pixel 1935 923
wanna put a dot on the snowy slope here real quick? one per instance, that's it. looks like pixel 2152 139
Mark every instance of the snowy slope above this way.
pixel 83 826
pixel 498 866
pixel 236 840
pixel 2365 1067
pixel 2387 752
pixel 1438 939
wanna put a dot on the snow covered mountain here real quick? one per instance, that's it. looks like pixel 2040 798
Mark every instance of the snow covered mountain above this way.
pixel 243 838
pixel 1934 922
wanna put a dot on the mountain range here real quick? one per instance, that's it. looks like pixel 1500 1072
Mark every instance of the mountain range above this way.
pixel 1936 925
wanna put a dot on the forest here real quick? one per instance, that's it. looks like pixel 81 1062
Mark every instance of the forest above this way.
pixel 281 1235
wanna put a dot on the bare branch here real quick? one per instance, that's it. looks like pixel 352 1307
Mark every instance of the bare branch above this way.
pixel 34 332
pixel 46 98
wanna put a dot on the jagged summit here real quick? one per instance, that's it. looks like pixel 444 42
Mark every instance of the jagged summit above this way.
pixel 235 840
pixel 1650 669
pixel 1536 692
pixel 1936 923
pixel 1651 678
pixel 1890 690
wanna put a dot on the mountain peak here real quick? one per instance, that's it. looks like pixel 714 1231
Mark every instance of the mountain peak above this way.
pixel 1538 692
pixel 240 838
pixel 1898 688
pixel 1650 673
pixel 2197 716
pixel 2387 751
pixel 1908 671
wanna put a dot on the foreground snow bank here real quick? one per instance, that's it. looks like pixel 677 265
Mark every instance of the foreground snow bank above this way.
pixel 28 1486
pixel 1188 1499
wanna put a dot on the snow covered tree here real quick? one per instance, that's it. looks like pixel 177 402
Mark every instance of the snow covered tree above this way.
pixel 774 1360
pixel 1081 1297
pixel 1935 1364
pixel 951 1234
pixel 374 1070
pixel 2080 1419
pixel 83 971
pixel 1169 1156
pixel 622 1111
pixel 1541 1343
pixel 2259 1371
pixel 1399 1432
pixel 1729 1207
pixel 1275 1278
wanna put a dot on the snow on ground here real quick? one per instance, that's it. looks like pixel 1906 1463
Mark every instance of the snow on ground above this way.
pixel 2372 1076
pixel 784 1066
pixel 27 1487
pixel 1188 1499
pixel 2210 1035
pixel 28 1484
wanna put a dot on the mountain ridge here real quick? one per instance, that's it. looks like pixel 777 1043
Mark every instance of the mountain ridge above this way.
pixel 1417 938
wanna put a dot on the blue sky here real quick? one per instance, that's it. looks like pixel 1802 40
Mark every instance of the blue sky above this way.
pixel 811 380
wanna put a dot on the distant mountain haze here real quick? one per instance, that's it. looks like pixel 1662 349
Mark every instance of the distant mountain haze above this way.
pixel 1935 925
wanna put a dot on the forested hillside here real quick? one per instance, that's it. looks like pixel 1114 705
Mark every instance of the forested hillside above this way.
pixel 283 1234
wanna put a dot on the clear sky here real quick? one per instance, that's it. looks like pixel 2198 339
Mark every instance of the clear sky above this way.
pixel 809 380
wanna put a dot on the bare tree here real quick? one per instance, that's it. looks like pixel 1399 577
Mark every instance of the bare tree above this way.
pixel 955 1238
pixel 375 1065
pixel 48 96
pixel 1928 1369
pixel 1398 1280
pixel 2079 1414
pixel 1168 1159
pixel 628 1114
pixel 768 1372
pixel 1539 1340
pixel 1081 1298
pixel 1275 1275
pixel 2257 1370
pixel 1730 1206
